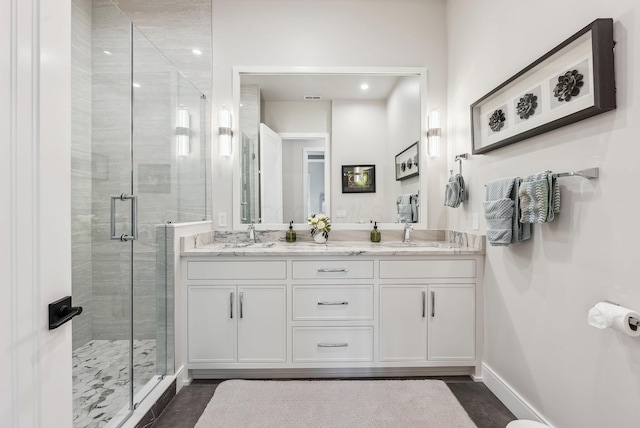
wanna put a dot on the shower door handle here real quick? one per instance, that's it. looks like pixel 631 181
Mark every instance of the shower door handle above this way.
pixel 134 217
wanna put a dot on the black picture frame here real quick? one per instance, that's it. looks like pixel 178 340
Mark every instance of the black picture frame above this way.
pixel 583 63
pixel 407 162
pixel 358 178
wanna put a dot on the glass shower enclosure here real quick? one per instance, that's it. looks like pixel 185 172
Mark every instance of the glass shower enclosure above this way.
pixel 140 156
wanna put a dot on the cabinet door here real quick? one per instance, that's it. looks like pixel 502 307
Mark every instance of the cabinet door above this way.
pixel 452 322
pixel 262 312
pixel 211 324
pixel 403 323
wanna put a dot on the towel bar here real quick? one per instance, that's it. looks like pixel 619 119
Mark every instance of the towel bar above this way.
pixel 586 173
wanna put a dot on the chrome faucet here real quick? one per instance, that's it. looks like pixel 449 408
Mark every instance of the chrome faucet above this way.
pixel 252 233
pixel 407 232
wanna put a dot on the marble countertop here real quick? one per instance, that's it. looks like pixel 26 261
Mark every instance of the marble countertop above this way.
pixel 338 248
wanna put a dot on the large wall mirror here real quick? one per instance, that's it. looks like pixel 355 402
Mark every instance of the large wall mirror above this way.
pixel 306 140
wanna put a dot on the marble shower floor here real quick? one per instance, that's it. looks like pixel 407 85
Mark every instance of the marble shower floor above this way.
pixel 101 378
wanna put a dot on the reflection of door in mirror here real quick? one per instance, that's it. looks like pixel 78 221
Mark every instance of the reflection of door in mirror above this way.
pixel 314 182
pixel 304 169
pixel 271 177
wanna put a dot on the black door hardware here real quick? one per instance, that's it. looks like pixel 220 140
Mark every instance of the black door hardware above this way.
pixel 61 311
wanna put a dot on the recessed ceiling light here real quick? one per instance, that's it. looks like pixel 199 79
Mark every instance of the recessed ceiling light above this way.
pixel 107 52
pixel 196 51
pixel 136 85
pixel 364 86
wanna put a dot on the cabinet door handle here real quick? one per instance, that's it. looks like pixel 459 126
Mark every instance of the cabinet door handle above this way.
pixel 333 345
pixel 332 270
pixel 332 303
pixel 433 304
pixel 241 298
pixel 424 303
pixel 231 304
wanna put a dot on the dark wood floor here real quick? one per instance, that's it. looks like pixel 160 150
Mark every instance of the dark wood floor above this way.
pixel 483 407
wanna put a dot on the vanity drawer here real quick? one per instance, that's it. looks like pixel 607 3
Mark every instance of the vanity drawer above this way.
pixel 332 344
pixel 327 269
pixel 237 270
pixel 332 302
pixel 415 269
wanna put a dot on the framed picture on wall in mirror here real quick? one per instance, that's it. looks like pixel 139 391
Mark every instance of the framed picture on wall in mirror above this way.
pixel 407 162
pixel 358 178
pixel 571 82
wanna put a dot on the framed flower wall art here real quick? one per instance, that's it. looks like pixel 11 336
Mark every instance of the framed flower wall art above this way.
pixel 573 81
pixel 358 178
pixel 407 162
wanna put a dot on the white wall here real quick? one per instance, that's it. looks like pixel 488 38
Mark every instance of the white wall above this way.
pixel 335 33
pixel 359 129
pixel 537 294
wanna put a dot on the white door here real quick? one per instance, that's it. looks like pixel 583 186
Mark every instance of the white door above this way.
pixel 35 249
pixel 403 323
pixel 262 324
pixel 452 322
pixel 270 175
pixel 211 332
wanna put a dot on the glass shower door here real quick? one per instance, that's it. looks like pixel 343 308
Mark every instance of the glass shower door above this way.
pixel 168 164
pixel 101 168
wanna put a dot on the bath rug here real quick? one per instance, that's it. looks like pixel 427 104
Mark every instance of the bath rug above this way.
pixel 335 404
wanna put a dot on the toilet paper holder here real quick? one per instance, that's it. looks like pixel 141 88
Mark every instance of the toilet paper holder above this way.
pixel 633 322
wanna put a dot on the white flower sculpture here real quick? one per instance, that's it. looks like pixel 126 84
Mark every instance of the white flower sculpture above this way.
pixel 319 223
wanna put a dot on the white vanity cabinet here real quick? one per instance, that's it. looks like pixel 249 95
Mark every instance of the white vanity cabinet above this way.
pixel 333 315
pixel 236 323
pixel 452 327
pixel 427 310
pixel 403 323
pixel 229 322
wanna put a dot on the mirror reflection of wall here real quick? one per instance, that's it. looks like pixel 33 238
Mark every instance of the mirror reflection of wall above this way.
pixel 362 126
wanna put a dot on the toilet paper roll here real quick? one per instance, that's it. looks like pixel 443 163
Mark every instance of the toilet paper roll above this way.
pixel 607 315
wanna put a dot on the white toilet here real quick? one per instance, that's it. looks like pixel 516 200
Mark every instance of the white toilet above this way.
pixel 526 424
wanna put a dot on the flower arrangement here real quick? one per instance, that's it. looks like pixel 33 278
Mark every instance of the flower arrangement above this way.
pixel 319 223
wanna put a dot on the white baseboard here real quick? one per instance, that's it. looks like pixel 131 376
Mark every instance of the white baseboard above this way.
pixel 182 378
pixel 509 397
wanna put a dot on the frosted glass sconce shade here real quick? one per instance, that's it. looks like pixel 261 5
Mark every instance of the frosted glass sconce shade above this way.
pixel 433 134
pixel 225 134
pixel 183 143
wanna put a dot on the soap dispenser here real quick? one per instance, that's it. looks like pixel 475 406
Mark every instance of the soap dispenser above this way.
pixel 291 234
pixel 375 233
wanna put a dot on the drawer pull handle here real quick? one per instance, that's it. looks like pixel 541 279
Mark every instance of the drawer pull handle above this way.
pixel 332 270
pixel 424 303
pixel 332 303
pixel 231 304
pixel 241 303
pixel 332 345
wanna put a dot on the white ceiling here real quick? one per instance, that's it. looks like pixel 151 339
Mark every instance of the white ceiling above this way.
pixel 294 87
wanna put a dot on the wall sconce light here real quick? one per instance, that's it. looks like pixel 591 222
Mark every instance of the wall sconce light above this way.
pixel 225 133
pixel 183 143
pixel 433 134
